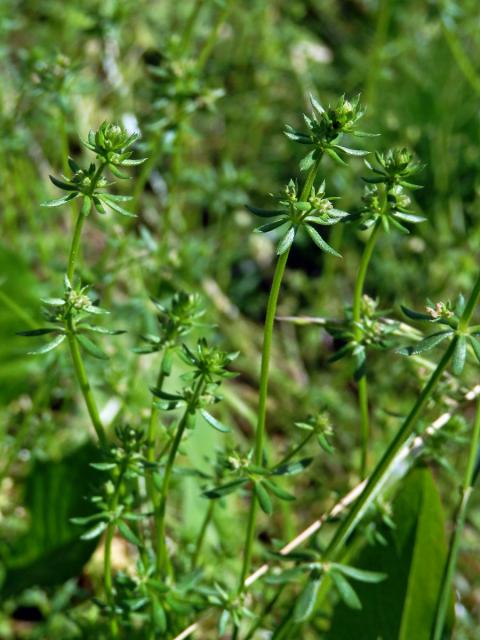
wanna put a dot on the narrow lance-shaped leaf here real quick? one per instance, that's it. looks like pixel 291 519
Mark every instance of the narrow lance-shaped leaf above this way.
pixel 292 468
pixel 264 213
pixel 334 155
pixel 95 531
pixel 115 206
pixel 352 152
pixel 213 422
pixel 225 489
pixel 475 346
pixel 278 491
pixel 320 242
pixel 359 574
pixel 36 332
pixel 426 344
pixel 305 603
pixel 270 226
pixel 90 347
pixel 128 534
pixel 415 315
pixel 60 201
pixel 286 242
pixel 49 346
pixel 263 498
pixel 459 355
pixel 345 590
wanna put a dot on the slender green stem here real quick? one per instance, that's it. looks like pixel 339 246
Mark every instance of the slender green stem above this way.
pixel 263 390
pixel 152 426
pixel 107 557
pixel 84 384
pixel 144 175
pixel 470 307
pixel 192 19
pixel 310 179
pixel 162 557
pixel 357 310
pixel 262 407
pixel 461 58
pixel 201 534
pixel 374 483
pixel 77 233
pixel 291 454
pixel 374 66
pixel 75 246
pixel 212 38
pixel 466 492
pixel 268 607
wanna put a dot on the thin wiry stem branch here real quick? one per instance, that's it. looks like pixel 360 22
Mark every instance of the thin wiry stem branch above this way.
pixel 410 451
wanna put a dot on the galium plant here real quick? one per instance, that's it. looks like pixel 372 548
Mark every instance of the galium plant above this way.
pixel 165 588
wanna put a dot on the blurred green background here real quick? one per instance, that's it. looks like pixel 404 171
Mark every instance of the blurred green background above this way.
pixel 214 140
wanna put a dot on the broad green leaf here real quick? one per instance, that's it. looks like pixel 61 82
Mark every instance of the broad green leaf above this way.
pixel 51 550
pixel 403 605
pixel 19 293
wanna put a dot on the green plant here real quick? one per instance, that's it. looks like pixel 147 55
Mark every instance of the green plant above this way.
pixel 239 383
